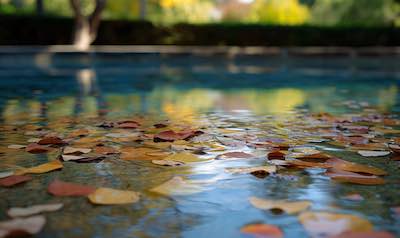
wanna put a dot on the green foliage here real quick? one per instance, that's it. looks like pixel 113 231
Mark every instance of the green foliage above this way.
pixel 355 12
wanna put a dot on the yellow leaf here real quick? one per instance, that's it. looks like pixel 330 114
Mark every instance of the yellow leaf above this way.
pixel 288 207
pixel 246 170
pixel 177 186
pixel 324 224
pixel 108 196
pixel 43 168
pixel 184 157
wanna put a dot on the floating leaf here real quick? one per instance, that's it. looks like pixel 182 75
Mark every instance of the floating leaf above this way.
pixel 286 206
pixel 184 157
pixel 33 210
pixel 43 168
pixel 22 226
pixel 350 177
pixel 354 167
pixel 60 188
pixel 236 155
pixel 262 231
pixel 72 157
pixel 323 224
pixel 108 196
pixel 14 180
pixel 131 153
pixel 177 186
pixel 51 141
pixel 277 154
pixel 71 150
pixel 6 174
pixel 164 162
pixel 37 149
pixel 172 136
pixel 128 125
pixel 16 146
pixel 371 153
pixel 247 170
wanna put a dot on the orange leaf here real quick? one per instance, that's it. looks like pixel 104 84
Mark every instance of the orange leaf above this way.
pixel 262 231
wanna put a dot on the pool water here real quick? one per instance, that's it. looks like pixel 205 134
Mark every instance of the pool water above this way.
pixel 235 99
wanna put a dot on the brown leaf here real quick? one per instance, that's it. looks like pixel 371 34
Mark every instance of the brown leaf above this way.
pixel 37 149
pixel 128 125
pixel 51 141
pixel 60 188
pixel 350 177
pixel 14 180
pixel 172 136
pixel 277 154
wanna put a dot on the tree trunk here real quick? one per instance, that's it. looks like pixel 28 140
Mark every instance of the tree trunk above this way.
pixel 39 7
pixel 86 26
pixel 143 9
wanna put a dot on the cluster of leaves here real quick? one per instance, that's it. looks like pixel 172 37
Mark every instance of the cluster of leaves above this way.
pixel 297 142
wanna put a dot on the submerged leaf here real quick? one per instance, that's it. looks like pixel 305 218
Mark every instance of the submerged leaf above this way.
pixel 60 188
pixel 33 210
pixel 26 226
pixel 51 141
pixel 323 224
pixel 366 234
pixel 14 180
pixel 43 168
pixel 286 206
pixel 108 196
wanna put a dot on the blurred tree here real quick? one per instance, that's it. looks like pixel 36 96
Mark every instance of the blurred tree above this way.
pixel 194 11
pixel 288 12
pixel 356 12
pixel 86 27
pixel 39 7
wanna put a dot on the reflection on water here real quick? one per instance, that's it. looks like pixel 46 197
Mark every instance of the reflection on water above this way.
pixel 64 92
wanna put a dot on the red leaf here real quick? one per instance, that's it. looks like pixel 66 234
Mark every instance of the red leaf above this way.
pixel 14 180
pixel 60 188
pixel 36 148
pixel 51 141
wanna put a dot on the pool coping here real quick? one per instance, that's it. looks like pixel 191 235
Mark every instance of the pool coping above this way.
pixel 207 50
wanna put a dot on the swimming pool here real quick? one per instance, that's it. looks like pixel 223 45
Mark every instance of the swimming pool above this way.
pixel 242 97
